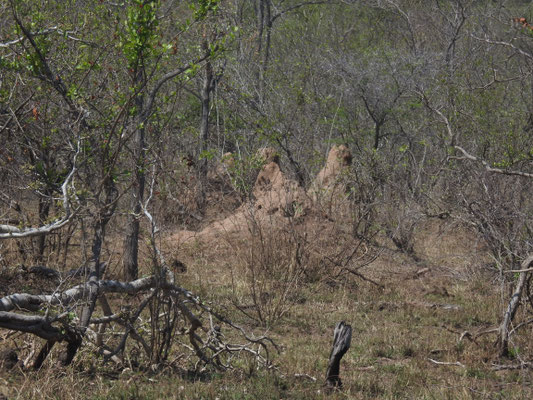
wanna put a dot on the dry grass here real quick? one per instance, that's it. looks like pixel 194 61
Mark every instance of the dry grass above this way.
pixel 419 315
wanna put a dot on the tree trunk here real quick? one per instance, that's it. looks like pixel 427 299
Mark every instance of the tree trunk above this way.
pixel 105 213
pixel 131 241
pixel 205 97
pixel 263 22
pixel 512 307
pixel 44 212
pixel 342 338
pixel 266 55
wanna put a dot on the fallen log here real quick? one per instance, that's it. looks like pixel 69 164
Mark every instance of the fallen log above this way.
pixel 56 319
pixel 38 325
pixel 31 302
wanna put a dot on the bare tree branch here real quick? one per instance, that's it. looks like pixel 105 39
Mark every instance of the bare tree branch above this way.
pixel 492 169
pixel 53 29
pixel 505 44
pixel 38 325
pixel 33 302
pixel 466 155
pixel 503 340
pixel 14 232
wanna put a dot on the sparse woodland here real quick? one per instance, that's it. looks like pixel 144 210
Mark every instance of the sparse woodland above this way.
pixel 194 194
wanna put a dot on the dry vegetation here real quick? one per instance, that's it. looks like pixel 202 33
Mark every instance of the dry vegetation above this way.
pixel 194 193
pixel 423 327
pixel 398 330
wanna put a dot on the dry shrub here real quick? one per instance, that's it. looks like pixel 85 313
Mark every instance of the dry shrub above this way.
pixel 271 264
pixel 280 259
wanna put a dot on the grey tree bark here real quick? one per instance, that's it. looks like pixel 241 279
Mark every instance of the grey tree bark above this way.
pixel 512 307
pixel 208 85
pixel 342 338
pixel 131 241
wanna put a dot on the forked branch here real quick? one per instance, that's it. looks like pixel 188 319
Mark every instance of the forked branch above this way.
pixel 14 232
pixel 58 323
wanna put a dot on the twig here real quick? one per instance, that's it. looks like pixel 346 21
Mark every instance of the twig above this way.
pixel 306 376
pixel 523 365
pixel 514 271
pixel 529 321
pixel 453 143
pixel 352 271
pixel 492 169
pixel 367 368
pixel 456 363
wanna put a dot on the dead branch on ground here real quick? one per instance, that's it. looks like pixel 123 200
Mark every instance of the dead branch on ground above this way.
pixel 53 317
